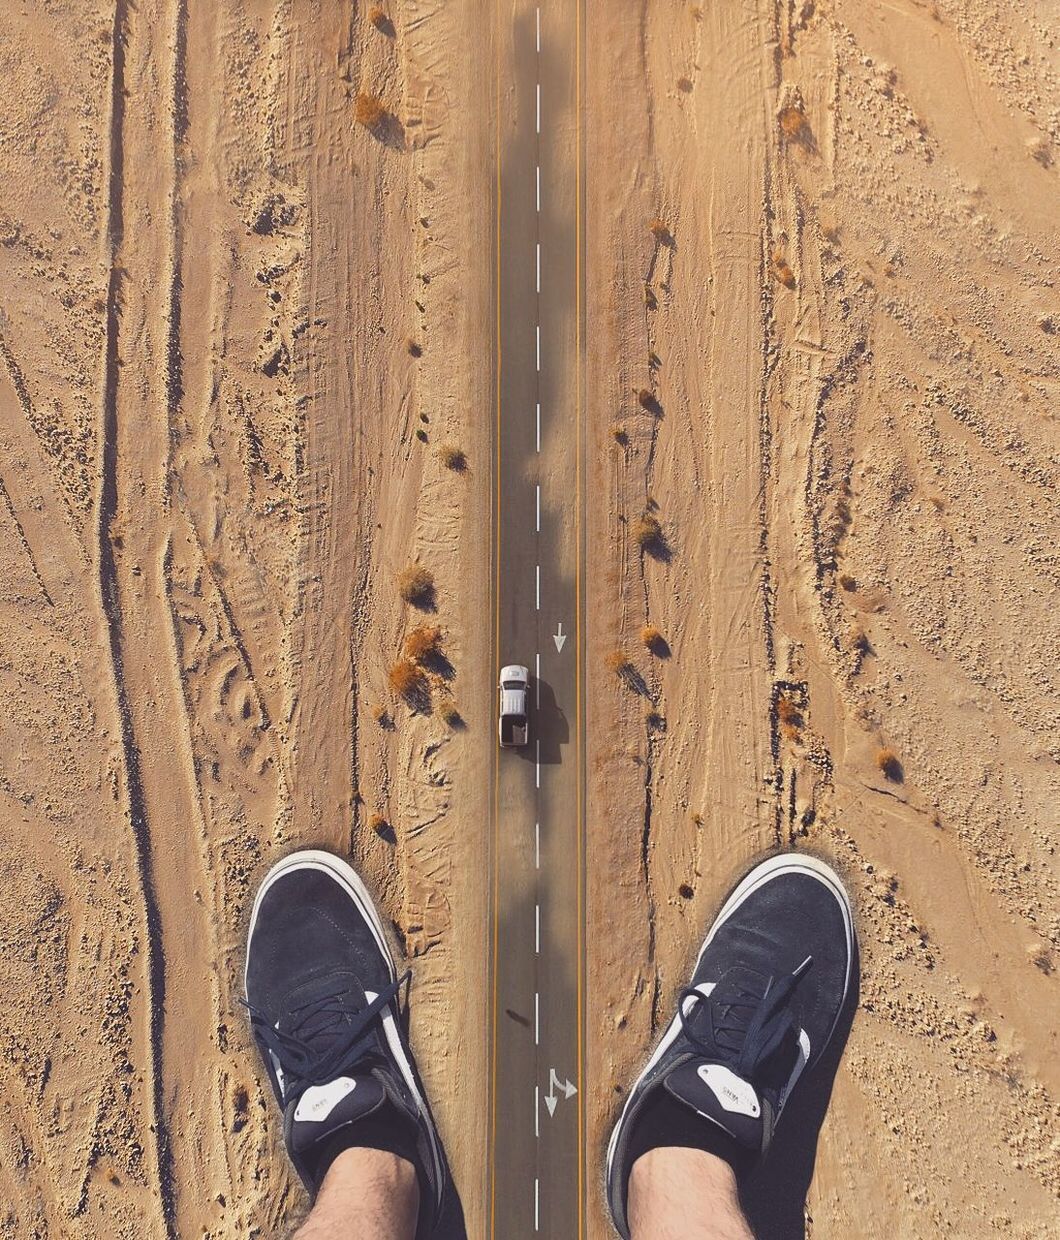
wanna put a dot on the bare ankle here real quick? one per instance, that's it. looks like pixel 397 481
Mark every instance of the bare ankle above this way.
pixel 684 1194
pixel 366 1195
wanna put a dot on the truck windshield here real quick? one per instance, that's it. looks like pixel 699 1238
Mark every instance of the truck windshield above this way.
pixel 512 684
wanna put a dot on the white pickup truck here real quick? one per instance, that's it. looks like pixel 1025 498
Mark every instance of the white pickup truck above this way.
pixel 514 717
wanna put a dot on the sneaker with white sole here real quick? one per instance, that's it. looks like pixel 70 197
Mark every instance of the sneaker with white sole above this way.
pixel 767 991
pixel 322 991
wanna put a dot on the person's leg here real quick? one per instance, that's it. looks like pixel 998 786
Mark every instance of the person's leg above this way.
pixel 763 1001
pixel 366 1195
pixel 322 990
pixel 683 1194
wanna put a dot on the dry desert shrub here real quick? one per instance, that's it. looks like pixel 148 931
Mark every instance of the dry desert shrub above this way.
pixel 889 765
pixel 413 348
pixel 618 434
pixel 660 231
pixel 377 15
pixel 646 398
pixel 617 661
pixel 653 639
pixel 829 229
pixel 407 680
pixel 423 642
pixel 654 720
pixel 685 891
pixel 416 585
pixel 789 715
pixel 782 270
pixel 648 532
pixel 381 715
pixel 1039 956
pixel 369 110
pixel 793 123
pixel 379 824
pixel 450 714
pixel 453 457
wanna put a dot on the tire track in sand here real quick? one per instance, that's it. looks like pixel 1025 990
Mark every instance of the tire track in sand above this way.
pixel 141 386
pixel 106 572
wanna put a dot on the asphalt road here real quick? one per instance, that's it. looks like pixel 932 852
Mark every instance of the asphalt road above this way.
pixel 537 1182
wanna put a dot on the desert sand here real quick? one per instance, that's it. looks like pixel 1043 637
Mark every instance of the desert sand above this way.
pixel 242 318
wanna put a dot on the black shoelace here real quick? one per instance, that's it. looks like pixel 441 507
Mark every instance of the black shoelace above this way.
pixel 748 1027
pixel 325 1039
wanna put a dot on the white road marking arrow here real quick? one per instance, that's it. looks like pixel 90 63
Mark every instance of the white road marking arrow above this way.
pixel 555 1083
pixel 559 637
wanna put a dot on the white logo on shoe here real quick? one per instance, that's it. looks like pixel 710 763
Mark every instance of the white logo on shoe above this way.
pixel 319 1101
pixel 734 1094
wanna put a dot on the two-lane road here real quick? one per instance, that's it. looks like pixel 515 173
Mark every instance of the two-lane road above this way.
pixel 536 1142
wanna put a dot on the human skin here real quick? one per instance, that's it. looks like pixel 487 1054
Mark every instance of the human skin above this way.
pixel 684 1194
pixel 366 1195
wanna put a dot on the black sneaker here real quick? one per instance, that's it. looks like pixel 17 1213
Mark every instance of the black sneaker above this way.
pixel 322 991
pixel 767 990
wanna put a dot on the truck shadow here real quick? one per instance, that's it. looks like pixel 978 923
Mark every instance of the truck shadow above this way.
pixel 548 723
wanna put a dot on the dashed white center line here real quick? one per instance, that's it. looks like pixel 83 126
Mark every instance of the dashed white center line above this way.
pixel 537 658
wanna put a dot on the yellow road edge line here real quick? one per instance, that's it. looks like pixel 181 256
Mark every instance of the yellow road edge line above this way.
pixel 494 963
pixel 582 1151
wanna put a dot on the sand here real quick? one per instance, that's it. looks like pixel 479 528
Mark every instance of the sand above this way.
pixel 237 328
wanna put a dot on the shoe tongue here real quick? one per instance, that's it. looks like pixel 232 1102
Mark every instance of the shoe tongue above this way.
pixel 321 1109
pixel 735 997
pixel 717 1093
pixel 324 1025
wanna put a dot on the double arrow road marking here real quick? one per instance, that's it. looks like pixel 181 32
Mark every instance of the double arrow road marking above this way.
pixel 552 1098
pixel 565 1087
